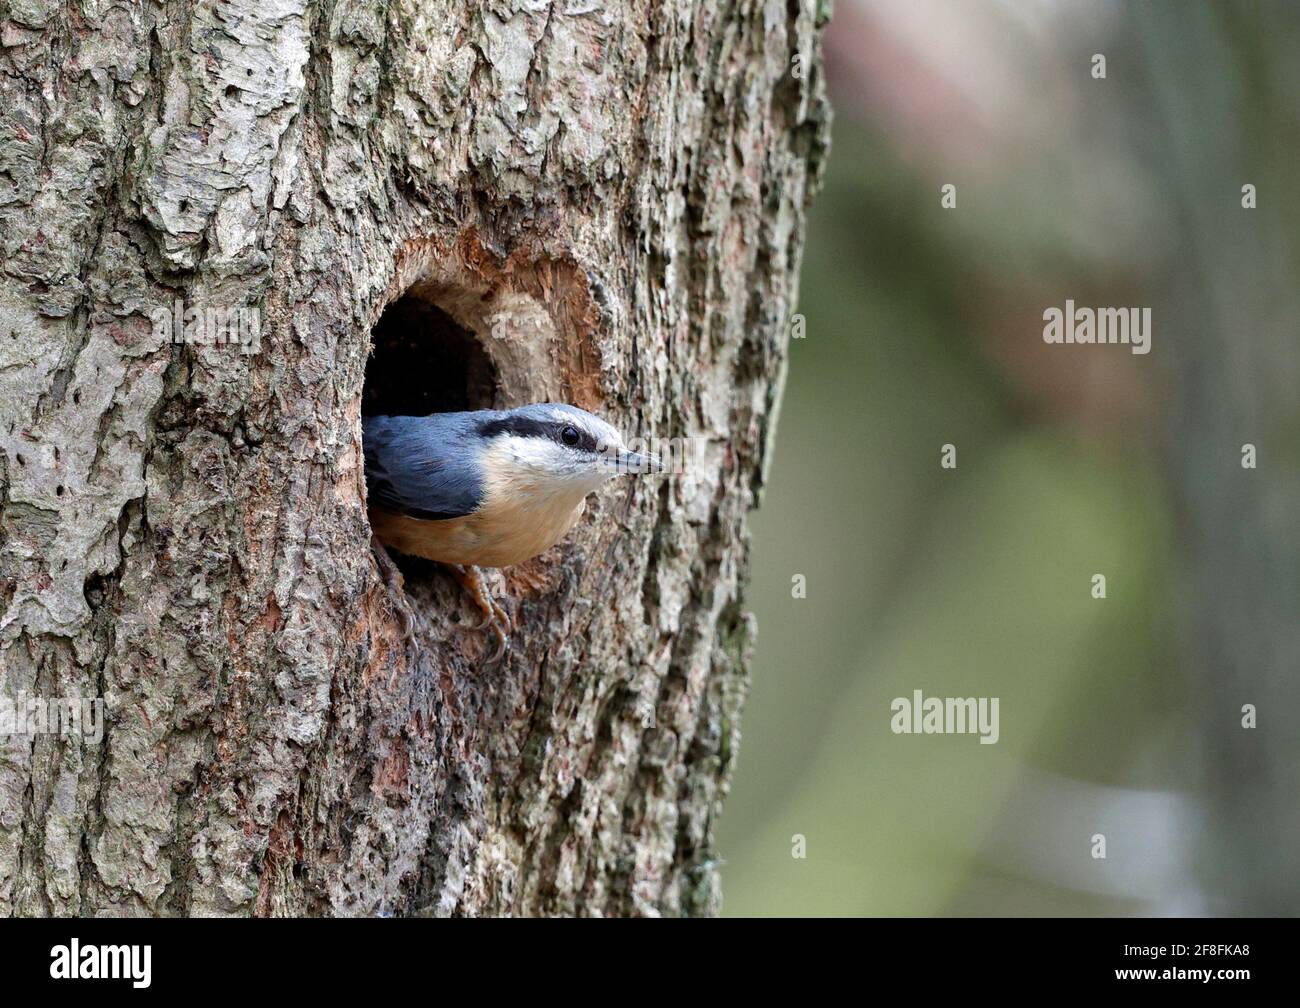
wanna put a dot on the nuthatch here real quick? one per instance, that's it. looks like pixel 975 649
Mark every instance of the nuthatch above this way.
pixel 487 488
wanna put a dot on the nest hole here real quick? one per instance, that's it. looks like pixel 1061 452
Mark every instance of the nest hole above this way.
pixel 422 361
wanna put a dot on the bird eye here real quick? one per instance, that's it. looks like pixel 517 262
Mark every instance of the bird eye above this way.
pixel 569 435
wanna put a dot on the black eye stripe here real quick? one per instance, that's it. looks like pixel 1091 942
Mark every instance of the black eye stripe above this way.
pixel 528 427
pixel 518 426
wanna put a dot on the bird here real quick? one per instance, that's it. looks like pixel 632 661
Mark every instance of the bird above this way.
pixel 486 488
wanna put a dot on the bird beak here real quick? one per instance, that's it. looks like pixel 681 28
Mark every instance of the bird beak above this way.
pixel 638 463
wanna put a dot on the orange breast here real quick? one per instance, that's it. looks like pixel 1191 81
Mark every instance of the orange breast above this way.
pixel 505 530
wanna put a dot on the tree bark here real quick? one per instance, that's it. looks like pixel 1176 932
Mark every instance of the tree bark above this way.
pixel 604 205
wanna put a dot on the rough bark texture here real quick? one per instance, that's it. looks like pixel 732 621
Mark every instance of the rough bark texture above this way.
pixel 609 199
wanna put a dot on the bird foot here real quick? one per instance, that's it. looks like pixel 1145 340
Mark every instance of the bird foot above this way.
pixel 388 571
pixel 392 577
pixel 494 614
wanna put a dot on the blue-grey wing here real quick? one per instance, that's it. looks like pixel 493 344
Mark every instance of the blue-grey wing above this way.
pixel 423 467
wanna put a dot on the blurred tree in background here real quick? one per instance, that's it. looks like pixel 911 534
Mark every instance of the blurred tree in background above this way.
pixel 1119 716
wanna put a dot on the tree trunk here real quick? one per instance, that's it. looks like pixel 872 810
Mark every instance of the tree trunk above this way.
pixel 1229 293
pixel 596 203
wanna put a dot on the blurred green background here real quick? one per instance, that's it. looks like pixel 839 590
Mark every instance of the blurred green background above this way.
pixel 1119 716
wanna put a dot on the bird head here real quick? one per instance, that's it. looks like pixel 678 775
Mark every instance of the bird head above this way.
pixel 561 446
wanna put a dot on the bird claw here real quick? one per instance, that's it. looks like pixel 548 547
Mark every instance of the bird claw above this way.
pixel 495 615
pixel 388 571
pixel 391 575
pixel 503 645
